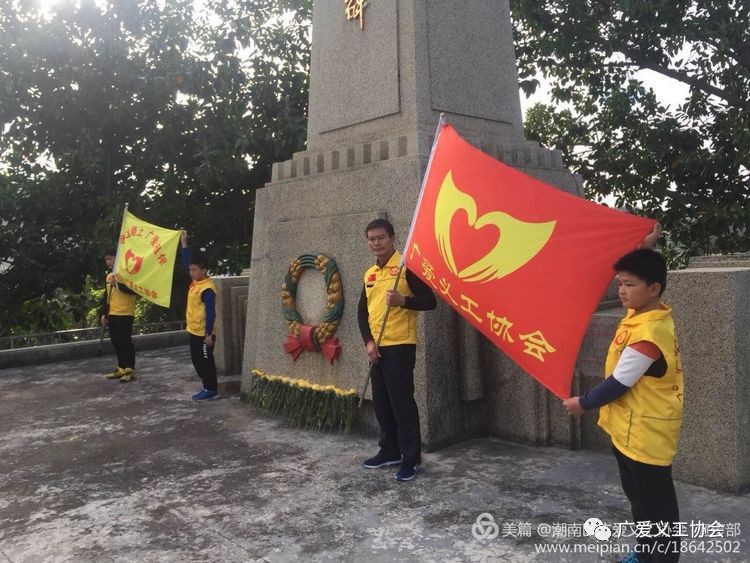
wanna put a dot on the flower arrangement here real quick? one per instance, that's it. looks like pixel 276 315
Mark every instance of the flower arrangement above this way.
pixel 303 404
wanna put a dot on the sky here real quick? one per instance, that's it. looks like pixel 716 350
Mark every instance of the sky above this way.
pixel 669 91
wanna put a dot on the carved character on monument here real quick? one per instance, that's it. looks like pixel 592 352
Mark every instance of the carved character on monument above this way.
pixel 355 9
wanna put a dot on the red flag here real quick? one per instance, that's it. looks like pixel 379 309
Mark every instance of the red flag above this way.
pixel 523 262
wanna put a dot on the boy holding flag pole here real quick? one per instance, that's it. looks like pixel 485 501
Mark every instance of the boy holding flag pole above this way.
pixel 143 265
pixel 118 312
pixel 640 401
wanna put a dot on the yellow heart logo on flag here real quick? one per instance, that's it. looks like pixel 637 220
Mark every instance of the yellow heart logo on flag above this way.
pixel 517 241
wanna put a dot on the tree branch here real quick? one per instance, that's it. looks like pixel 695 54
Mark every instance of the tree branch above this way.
pixel 693 81
pixel 739 51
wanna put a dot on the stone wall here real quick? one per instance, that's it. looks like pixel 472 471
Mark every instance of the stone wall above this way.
pixel 77 350
pixel 712 314
pixel 231 313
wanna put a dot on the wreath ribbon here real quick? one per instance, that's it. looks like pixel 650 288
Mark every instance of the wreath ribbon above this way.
pixel 331 349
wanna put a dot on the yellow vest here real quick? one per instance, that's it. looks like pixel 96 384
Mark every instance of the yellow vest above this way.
pixel 401 327
pixel 644 423
pixel 196 309
pixel 120 304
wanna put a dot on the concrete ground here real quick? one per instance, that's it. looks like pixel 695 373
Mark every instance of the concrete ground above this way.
pixel 96 470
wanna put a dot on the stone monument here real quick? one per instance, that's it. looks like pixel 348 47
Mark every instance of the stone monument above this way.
pixel 379 82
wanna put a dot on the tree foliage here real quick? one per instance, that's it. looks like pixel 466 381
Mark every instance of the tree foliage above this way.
pixel 175 108
pixel 689 166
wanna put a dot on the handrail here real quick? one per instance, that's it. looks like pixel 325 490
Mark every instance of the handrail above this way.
pixel 79 335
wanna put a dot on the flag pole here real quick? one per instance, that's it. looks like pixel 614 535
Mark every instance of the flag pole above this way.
pixel 101 332
pixel 441 122
pixel 117 252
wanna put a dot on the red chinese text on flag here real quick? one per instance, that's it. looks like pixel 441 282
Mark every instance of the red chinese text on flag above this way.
pixel 525 263
pixel 146 256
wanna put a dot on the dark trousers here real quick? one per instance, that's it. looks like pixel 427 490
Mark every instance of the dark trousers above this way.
pixel 203 361
pixel 395 407
pixel 650 490
pixel 121 335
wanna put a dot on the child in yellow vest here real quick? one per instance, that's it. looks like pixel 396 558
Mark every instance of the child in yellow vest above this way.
pixel 118 311
pixel 201 317
pixel 640 401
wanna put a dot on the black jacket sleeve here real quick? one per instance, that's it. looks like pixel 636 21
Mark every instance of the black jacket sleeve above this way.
pixel 124 288
pixel 104 308
pixel 363 317
pixel 605 392
pixel 423 298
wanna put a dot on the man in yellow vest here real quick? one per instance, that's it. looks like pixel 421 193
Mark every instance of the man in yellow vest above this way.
pixel 394 355
pixel 201 319
pixel 640 402
pixel 118 312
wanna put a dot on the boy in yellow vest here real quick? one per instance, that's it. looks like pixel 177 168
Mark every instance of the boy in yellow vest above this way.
pixel 201 318
pixel 118 311
pixel 393 360
pixel 640 402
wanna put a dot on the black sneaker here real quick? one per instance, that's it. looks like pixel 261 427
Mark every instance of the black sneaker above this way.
pixel 407 472
pixel 381 460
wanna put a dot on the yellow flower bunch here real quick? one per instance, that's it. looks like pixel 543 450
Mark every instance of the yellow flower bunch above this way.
pixel 304 384
pixel 302 403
